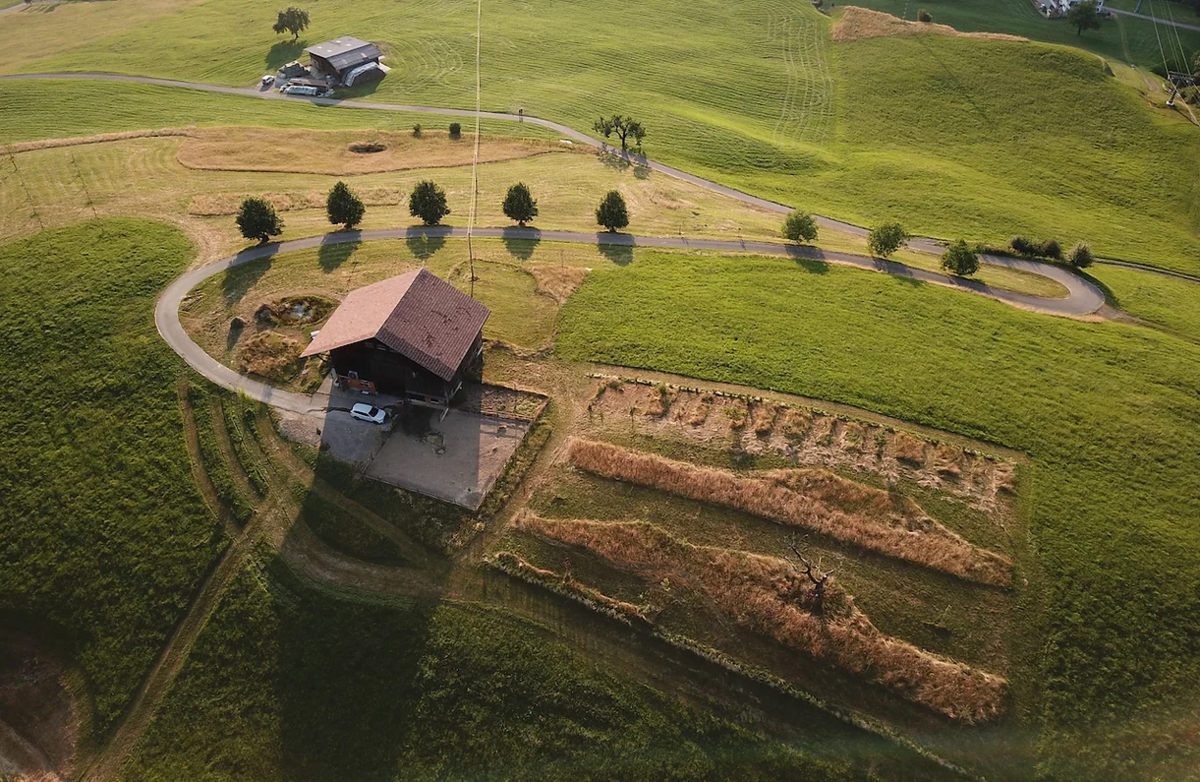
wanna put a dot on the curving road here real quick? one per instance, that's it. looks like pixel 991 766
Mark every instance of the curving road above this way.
pixel 1083 299
pixel 917 243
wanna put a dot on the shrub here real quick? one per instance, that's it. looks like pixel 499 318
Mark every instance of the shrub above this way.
pixel 256 219
pixel 612 213
pixel 800 227
pixel 428 202
pixel 959 259
pixel 1080 256
pixel 417 130
pixel 924 16
pixel 1050 248
pixel 343 207
pixel 455 130
pixel 886 239
pixel 1023 246
pixel 519 204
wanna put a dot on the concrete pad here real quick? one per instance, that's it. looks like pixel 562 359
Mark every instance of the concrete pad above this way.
pixel 458 461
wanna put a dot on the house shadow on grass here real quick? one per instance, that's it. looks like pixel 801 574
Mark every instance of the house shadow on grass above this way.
pixel 347 680
pixel 330 256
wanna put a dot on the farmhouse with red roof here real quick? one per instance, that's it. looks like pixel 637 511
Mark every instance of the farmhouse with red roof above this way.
pixel 413 336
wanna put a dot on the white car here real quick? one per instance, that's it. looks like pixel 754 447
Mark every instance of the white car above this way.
pixel 268 80
pixel 365 412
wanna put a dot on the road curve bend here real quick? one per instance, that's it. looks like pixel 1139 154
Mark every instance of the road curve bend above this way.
pixel 1083 299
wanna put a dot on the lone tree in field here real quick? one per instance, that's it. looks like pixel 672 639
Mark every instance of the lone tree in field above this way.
pixel 519 204
pixel 959 259
pixel 257 220
pixel 344 207
pixel 886 239
pixel 1083 16
pixel 1080 256
pixel 612 213
pixel 626 128
pixel 800 227
pixel 812 571
pixel 428 202
pixel 291 20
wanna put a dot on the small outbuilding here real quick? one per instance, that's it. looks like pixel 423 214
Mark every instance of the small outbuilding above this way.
pixel 414 336
pixel 346 61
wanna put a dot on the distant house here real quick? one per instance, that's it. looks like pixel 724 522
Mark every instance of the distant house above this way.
pixel 413 336
pixel 346 61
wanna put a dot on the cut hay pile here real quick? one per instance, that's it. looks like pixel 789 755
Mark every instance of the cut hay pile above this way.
pixel 858 23
pixel 810 499
pixel 760 594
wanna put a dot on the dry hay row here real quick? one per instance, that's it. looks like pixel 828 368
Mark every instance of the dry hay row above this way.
pixel 519 567
pixel 810 499
pixel 754 425
pixel 762 594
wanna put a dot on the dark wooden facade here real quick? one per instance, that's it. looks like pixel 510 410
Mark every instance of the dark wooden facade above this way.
pixel 372 366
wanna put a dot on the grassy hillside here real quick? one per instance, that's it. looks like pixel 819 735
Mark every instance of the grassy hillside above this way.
pixel 102 534
pixel 286 683
pixel 1108 414
pixel 68 108
pixel 1122 40
pixel 1171 303
pixel 994 139
pixel 954 136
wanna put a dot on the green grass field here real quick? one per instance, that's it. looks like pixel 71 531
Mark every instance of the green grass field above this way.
pixel 981 139
pixel 1171 303
pixel 289 683
pixel 103 535
pixel 1122 40
pixel 1107 412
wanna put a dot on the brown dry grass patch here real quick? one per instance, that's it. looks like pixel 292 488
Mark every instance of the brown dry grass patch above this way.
pixel 762 594
pixel 270 355
pixel 558 282
pixel 858 23
pixel 810 499
pixel 329 152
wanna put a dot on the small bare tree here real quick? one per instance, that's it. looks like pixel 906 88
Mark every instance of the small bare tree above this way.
pixel 815 572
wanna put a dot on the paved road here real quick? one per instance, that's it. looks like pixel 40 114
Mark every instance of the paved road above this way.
pixel 1084 298
pixel 1148 18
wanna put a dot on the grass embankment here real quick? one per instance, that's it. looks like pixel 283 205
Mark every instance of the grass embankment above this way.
pixel 809 500
pixel 288 683
pixel 1171 303
pixel 1107 412
pixel 103 535
pixel 1120 40
pixel 763 594
pixel 980 139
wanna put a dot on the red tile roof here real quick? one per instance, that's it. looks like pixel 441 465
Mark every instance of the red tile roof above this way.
pixel 417 314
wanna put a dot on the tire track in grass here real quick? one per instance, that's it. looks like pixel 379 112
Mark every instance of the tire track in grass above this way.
pixel 109 760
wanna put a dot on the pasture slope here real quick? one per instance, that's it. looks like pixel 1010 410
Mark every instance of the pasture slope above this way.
pixel 1107 412
pixel 103 535
pixel 1027 138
